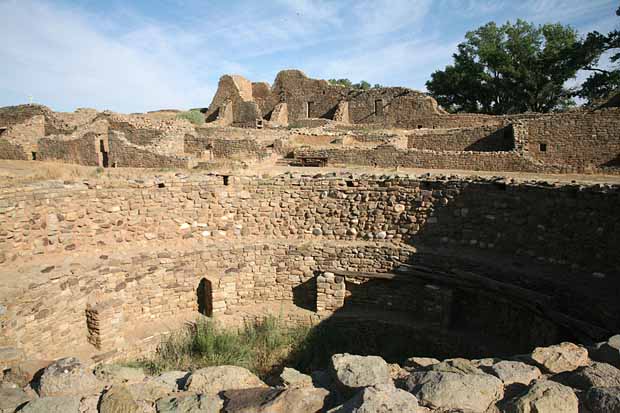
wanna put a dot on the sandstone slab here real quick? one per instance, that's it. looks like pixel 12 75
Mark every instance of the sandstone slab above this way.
pixel 355 372
pixel 292 378
pixel 511 372
pixel 212 380
pixel 193 403
pixel 603 400
pixel 380 399
pixel 67 377
pixel 118 400
pixel 61 404
pixel 545 397
pixel 561 357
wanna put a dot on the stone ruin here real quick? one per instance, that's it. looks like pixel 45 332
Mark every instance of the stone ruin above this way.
pixel 512 283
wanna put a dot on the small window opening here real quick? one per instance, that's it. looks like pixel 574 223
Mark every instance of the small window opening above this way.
pixel 379 107
pixel 350 184
pixel 225 179
pixel 34 156
pixel 161 185
pixel 543 147
pixel 309 109
pixel 2 130
pixel 420 126
pixel 104 155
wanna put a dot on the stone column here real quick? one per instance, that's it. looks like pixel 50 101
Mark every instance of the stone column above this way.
pixel 330 292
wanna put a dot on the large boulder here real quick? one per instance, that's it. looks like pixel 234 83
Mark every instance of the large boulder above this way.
pixel 67 377
pixel 148 391
pixel 608 351
pixel 118 400
pixel 62 404
pixel 449 390
pixel 11 398
pixel 274 400
pixel 212 380
pixel 172 380
pixel 561 357
pixel 192 403
pixel 511 372
pixel 119 374
pixel 352 373
pixel 416 363
pixel 595 375
pixel 380 399
pixel 603 400
pixel 545 397
pixel 457 365
pixel 22 373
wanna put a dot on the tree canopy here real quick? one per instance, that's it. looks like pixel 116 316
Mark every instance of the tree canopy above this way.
pixel 362 85
pixel 511 68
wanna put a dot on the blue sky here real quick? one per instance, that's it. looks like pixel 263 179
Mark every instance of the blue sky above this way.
pixel 134 56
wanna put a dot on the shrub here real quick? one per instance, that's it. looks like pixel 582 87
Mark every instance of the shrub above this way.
pixel 194 116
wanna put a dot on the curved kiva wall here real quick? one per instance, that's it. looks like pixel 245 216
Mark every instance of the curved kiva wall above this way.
pixel 83 265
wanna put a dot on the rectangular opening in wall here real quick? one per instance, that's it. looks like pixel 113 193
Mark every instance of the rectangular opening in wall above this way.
pixel 105 162
pixel 309 109
pixel 543 147
pixel 420 127
pixel 34 156
pixel 2 130
pixel 379 107
pixel 225 179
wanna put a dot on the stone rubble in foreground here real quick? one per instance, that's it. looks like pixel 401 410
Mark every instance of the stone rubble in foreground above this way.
pixel 564 378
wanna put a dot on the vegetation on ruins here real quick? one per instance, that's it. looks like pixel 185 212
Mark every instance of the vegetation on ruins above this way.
pixel 362 85
pixel 194 116
pixel 511 68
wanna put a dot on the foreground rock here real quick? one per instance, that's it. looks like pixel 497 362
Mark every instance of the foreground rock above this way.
pixel 560 358
pixel 292 378
pixel 595 375
pixel 270 400
pixel 450 390
pixel 67 377
pixel 511 372
pixel 62 404
pixel 119 374
pixel 118 400
pixel 546 397
pixel 193 403
pixel 212 380
pixel 353 373
pixel 11 398
pixel 381 399
pixel 603 400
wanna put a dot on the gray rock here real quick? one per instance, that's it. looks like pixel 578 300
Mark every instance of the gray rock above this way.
pixel 603 400
pixel 11 398
pixel 614 342
pixel 212 380
pixel 545 397
pixel 273 400
pixel 119 374
pixel 420 362
pixel 561 357
pixel 595 375
pixel 148 391
pixel 449 390
pixel 457 365
pixel 172 380
pixel 118 400
pixel 67 377
pixel 380 399
pixel 292 378
pixel 355 372
pixel 62 404
pixel 193 403
pixel 510 372
pixel 22 373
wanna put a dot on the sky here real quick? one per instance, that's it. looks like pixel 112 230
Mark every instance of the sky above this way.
pixel 141 55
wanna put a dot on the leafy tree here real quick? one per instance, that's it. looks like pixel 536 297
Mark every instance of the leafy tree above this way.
pixel 194 116
pixel 362 85
pixel 341 82
pixel 508 69
pixel 377 86
pixel 603 82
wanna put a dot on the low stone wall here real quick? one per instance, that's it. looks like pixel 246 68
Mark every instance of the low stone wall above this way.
pixel 222 148
pixel 480 139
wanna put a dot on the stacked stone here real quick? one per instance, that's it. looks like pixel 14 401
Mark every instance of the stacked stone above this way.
pixel 104 321
pixel 330 292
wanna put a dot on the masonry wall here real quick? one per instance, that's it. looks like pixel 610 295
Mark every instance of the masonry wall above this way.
pixel 82 151
pixel 480 139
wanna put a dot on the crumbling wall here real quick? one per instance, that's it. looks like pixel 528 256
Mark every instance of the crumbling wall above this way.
pixel 123 153
pixel 82 151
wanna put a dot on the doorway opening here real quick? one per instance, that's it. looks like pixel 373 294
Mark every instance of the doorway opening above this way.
pixel 105 161
pixel 204 295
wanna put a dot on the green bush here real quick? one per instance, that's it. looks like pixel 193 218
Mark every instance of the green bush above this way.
pixel 194 116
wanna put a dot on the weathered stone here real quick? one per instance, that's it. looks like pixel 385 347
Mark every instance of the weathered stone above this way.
pixel 212 380
pixel 22 373
pixel 193 403
pixel 545 397
pixel 67 377
pixel 354 372
pixel 448 390
pixel 510 372
pixel 61 404
pixel 118 400
pixel 270 400
pixel 119 374
pixel 11 398
pixel 603 400
pixel 148 391
pixel 171 380
pixel 594 375
pixel 380 399
pixel 458 365
pixel 561 357
pixel 292 378
pixel 420 362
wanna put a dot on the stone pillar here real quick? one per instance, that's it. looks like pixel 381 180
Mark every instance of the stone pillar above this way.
pixel 330 292
pixel 104 322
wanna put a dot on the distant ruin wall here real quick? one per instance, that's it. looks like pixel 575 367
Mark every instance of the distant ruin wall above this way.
pixel 480 139
pixel 222 148
pixel 10 150
pixel 82 151
pixel 124 154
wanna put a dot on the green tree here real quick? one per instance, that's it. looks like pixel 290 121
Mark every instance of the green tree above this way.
pixel 508 69
pixel 341 82
pixel 603 82
pixel 362 85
